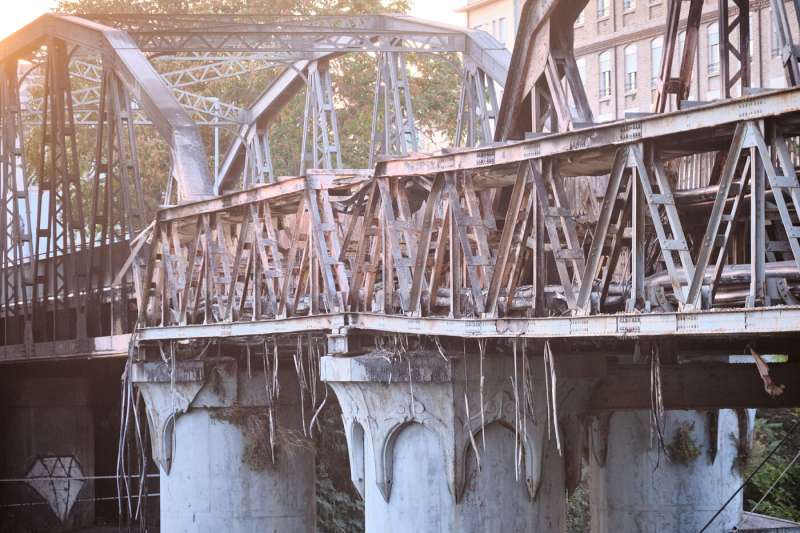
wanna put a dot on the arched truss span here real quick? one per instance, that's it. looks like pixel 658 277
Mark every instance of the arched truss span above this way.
pixel 374 33
pixel 120 52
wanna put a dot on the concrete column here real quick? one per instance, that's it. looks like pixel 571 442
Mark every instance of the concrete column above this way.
pixel 47 438
pixel 413 427
pixel 211 438
pixel 635 487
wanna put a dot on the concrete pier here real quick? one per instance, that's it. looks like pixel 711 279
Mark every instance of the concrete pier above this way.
pixel 636 488
pixel 210 430
pixel 415 445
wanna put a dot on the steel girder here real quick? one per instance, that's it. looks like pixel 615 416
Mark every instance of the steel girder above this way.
pixel 204 110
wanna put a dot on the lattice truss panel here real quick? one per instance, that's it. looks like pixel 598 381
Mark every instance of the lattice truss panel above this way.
pixel 490 239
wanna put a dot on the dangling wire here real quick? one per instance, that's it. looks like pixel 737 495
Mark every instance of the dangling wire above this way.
pixel 552 398
pixel 482 354
pixel 515 386
pixel 131 445
pixel 656 401
pixel 270 371
pixel 466 409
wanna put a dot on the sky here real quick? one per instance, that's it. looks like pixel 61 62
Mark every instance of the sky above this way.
pixel 21 12
pixel 439 10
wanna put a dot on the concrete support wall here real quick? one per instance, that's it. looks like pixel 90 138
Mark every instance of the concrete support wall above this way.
pixel 215 458
pixel 636 488
pixel 414 461
pixel 46 430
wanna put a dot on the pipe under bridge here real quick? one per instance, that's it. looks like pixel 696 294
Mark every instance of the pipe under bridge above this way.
pixel 480 312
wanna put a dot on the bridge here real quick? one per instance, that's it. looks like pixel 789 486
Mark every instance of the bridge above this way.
pixel 544 296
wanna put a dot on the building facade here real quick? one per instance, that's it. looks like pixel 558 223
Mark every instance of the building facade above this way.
pixel 497 17
pixel 619 46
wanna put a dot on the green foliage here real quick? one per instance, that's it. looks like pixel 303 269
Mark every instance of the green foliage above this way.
pixel 683 449
pixel 784 500
pixel 578 512
pixel 339 508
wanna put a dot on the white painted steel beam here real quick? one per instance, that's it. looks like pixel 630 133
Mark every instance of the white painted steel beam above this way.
pixel 737 322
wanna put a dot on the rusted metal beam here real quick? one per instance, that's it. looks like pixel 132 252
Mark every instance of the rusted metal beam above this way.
pixel 696 386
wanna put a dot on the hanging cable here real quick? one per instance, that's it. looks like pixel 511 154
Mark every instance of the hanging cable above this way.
pixel 774 484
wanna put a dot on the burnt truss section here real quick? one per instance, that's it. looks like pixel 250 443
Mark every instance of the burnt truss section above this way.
pixel 495 233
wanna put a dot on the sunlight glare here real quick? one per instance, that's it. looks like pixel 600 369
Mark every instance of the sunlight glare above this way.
pixel 17 14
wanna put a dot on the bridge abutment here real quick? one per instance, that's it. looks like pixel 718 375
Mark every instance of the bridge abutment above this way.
pixel 48 440
pixel 210 425
pixel 635 486
pixel 416 444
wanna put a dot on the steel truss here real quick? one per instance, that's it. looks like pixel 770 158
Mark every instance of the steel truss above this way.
pixel 320 145
pixel 436 238
pixel 64 269
pixel 61 231
pixel 393 129
pixel 118 211
pixel 477 108
pixel 204 109
pixel 479 242
pixel 18 265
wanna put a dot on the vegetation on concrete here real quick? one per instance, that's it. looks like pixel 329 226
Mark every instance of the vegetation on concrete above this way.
pixel 578 512
pixel 339 507
pixel 254 425
pixel 683 449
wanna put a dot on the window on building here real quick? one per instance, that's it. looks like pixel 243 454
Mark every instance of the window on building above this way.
pixel 656 53
pixel 776 41
pixel 713 89
pixel 751 32
pixel 602 8
pixel 712 32
pixel 581 64
pixel 604 61
pixel 777 82
pixel 579 19
pixel 628 5
pixel 630 68
pixel 501 30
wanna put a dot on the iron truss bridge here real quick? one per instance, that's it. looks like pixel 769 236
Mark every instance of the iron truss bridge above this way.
pixel 575 230
pixel 76 233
